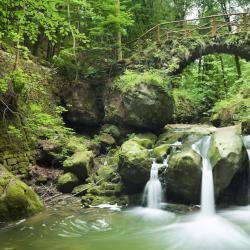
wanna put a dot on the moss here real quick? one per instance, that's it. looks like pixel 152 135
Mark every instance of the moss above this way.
pixel 161 151
pixel 170 137
pixel 106 173
pixel 111 130
pixel 133 151
pixel 91 200
pixel 79 163
pixel 131 79
pixel 67 182
pixel 18 199
pixel 146 140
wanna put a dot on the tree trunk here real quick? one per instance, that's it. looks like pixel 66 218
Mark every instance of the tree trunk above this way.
pixel 237 64
pixel 118 35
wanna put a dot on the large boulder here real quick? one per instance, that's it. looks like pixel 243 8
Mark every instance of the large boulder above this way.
pixel 145 106
pixel 134 166
pixel 80 163
pixel 82 104
pixel 183 177
pixel 17 200
pixel 227 155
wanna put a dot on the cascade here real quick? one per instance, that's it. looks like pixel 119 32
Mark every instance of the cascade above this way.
pixel 207 188
pixel 153 194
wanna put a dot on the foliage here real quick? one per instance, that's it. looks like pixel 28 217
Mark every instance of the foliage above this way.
pixel 130 79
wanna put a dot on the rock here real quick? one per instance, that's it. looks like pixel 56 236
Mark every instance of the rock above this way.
pixel 82 104
pixel 227 155
pixel 106 140
pixel 67 182
pixel 49 153
pixel 112 130
pixel 134 166
pixel 161 151
pixel 170 137
pixel 17 200
pixel 80 163
pixel 183 176
pixel 146 140
pixel 146 106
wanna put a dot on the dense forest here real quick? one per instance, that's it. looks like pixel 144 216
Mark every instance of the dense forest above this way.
pixel 111 104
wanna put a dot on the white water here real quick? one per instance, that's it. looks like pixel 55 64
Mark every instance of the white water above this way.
pixel 206 230
pixel 153 194
pixel 246 140
pixel 207 188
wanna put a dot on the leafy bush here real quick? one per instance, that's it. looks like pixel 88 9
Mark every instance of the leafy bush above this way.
pixel 130 79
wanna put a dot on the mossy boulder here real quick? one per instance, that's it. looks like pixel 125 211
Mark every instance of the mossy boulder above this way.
pixel 67 182
pixel 106 140
pixel 80 163
pixel 147 140
pixel 183 176
pixel 145 106
pixel 161 151
pixel 93 200
pixel 227 154
pixel 17 200
pixel 170 137
pixel 112 130
pixel 134 166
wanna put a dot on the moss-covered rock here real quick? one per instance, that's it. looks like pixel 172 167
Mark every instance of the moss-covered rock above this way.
pixel 106 140
pixel 17 200
pixel 67 182
pixel 227 155
pixel 170 137
pixel 112 130
pixel 161 151
pixel 183 176
pixel 92 200
pixel 80 163
pixel 147 140
pixel 134 166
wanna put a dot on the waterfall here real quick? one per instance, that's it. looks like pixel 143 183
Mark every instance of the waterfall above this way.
pixel 246 140
pixel 207 188
pixel 152 195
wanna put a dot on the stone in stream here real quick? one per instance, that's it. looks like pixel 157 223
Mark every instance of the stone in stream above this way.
pixel 134 166
pixel 227 154
pixel 17 200
pixel 228 159
pixel 183 176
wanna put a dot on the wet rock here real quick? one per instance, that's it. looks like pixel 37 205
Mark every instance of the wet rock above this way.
pixel 183 176
pixel 17 200
pixel 161 151
pixel 227 155
pixel 67 182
